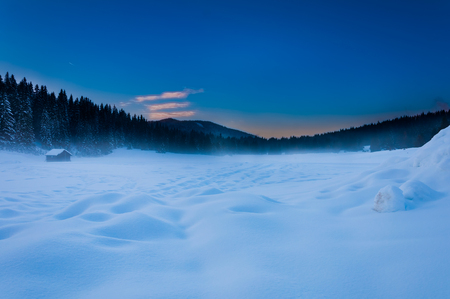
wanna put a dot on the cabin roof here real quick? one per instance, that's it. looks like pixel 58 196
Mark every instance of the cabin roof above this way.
pixel 56 152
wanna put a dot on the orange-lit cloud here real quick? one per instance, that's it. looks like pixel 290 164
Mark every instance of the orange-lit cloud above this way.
pixel 162 115
pixel 169 95
pixel 157 107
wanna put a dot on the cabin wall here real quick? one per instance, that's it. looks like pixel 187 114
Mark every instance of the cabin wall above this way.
pixel 63 157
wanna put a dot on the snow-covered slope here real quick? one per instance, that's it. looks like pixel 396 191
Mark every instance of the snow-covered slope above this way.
pixel 205 127
pixel 430 166
pixel 136 224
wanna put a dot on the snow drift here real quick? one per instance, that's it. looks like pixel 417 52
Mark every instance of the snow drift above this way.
pixel 436 153
pixel 430 162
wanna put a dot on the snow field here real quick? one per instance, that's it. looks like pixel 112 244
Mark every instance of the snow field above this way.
pixel 137 224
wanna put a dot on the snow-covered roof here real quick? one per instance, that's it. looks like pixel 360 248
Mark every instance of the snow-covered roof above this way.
pixel 56 152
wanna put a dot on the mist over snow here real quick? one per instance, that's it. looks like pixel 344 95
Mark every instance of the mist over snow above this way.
pixel 137 224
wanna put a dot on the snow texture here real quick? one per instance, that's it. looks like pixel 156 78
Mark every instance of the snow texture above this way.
pixel 136 224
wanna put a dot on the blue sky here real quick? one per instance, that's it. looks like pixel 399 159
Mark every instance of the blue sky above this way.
pixel 273 68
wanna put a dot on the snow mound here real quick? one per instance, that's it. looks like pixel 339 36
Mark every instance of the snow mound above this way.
pixel 435 152
pixel 211 191
pixel 79 207
pixel 132 203
pixel 139 227
pixel 9 231
pixel 418 191
pixel 389 199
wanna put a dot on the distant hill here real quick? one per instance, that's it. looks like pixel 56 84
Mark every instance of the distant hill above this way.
pixel 205 127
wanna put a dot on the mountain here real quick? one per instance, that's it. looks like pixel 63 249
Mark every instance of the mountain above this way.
pixel 206 127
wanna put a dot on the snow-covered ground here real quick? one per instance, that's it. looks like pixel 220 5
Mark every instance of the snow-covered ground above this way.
pixel 138 224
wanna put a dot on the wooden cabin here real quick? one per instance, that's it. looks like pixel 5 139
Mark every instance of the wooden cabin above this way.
pixel 57 155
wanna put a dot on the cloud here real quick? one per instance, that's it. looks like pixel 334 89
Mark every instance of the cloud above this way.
pixel 162 115
pixel 169 95
pixel 157 107
pixel 161 110
pixel 124 104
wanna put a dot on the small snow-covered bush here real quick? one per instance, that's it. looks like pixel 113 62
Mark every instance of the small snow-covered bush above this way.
pixel 389 199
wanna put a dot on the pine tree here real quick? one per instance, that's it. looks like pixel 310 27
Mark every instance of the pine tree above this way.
pixel 118 135
pixel 46 130
pixel 53 123
pixel 444 123
pixel 74 118
pixel 38 99
pixel 24 117
pixel 7 122
pixel 11 94
pixel 63 129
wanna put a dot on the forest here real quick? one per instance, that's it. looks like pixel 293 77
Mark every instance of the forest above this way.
pixel 34 120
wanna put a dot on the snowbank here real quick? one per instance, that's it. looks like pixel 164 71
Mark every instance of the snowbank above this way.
pixel 436 153
pixel 430 163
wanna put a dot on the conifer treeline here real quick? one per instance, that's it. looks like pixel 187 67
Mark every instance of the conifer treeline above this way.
pixel 31 118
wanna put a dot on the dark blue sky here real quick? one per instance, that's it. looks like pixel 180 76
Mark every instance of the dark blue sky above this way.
pixel 274 68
